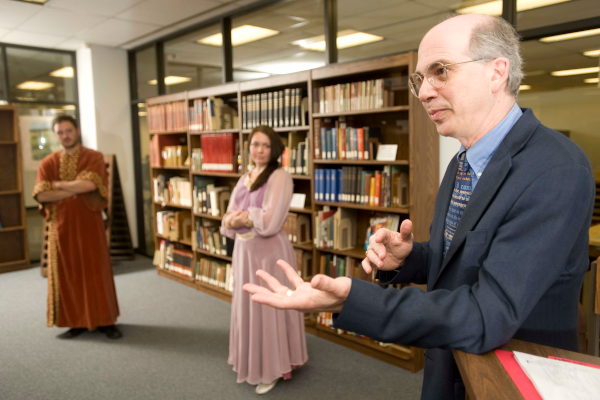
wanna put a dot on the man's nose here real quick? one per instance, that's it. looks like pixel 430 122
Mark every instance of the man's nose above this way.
pixel 427 91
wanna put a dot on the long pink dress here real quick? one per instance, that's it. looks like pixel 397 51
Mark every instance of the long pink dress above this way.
pixel 264 343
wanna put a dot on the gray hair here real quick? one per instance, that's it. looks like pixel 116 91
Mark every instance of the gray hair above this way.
pixel 497 38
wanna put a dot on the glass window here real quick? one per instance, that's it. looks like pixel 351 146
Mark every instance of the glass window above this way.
pixel 37 75
pixel 561 95
pixel 190 64
pixel 563 11
pixel 270 41
pixel 145 68
pixel 148 222
pixel 376 28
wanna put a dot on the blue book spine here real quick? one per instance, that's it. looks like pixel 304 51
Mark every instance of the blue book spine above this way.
pixel 324 143
pixel 321 184
pixel 334 144
pixel 333 194
pixel 339 186
pixel 316 184
pixel 327 184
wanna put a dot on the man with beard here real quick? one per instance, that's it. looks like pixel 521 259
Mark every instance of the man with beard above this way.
pixel 71 188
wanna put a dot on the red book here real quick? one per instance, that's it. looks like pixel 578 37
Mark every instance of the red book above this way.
pixel 360 133
pixel 377 188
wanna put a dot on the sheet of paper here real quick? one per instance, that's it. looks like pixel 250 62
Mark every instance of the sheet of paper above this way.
pixel 387 152
pixel 298 200
pixel 559 380
pixel 516 373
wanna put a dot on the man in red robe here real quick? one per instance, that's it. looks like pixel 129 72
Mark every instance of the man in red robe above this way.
pixel 71 188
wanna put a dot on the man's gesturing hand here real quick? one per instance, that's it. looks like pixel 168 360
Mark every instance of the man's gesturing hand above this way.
pixel 387 249
pixel 322 293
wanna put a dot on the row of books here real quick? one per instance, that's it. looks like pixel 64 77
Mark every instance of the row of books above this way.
pixel 174 190
pixel 295 158
pixel 215 273
pixel 174 257
pixel 220 152
pixel 335 229
pixel 354 96
pixel 209 238
pixel 386 188
pixel 336 266
pixel 170 117
pixel 304 263
pixel 212 114
pixel 167 151
pixel 174 225
pixel 297 227
pixel 336 141
pixel 276 109
pixel 209 199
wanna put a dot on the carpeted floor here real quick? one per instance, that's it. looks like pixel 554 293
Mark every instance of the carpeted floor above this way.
pixel 175 346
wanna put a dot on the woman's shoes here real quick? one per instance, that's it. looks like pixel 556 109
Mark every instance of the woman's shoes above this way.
pixel 263 388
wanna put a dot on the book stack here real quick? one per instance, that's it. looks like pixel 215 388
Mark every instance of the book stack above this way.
pixel 174 225
pixel 210 239
pixel 180 261
pixel 212 114
pixel 295 158
pixel 276 109
pixel 170 117
pixel 220 152
pixel 336 266
pixel 385 188
pixel 175 190
pixel 334 140
pixel 216 273
pixel 335 229
pixel 297 227
pixel 356 96
pixel 378 221
pixel 196 160
pixel 158 143
pixel 174 156
pixel 304 263
pixel 211 200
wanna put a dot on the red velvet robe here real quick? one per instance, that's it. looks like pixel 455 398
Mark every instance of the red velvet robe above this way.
pixel 81 289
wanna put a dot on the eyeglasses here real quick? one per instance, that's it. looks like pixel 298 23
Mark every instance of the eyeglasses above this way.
pixel 437 76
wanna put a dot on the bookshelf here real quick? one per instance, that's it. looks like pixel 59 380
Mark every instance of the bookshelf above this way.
pixel 14 251
pixel 401 121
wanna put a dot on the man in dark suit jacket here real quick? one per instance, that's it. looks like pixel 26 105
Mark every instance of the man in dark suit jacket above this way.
pixel 509 236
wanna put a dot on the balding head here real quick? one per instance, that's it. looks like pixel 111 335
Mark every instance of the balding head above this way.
pixel 477 86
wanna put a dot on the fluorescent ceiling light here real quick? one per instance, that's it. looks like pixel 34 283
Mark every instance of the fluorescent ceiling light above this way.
pixel 524 87
pixel 69 107
pixel 172 80
pixel 592 80
pixel 142 113
pixel 345 39
pixel 141 105
pixel 495 7
pixel 592 53
pixel 286 66
pixel 32 85
pixel 240 35
pixel 572 35
pixel 579 71
pixel 64 72
pixel 35 1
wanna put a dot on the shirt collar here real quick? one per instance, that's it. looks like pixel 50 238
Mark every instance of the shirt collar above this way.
pixel 480 153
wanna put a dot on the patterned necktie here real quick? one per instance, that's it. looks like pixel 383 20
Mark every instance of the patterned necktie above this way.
pixel 460 198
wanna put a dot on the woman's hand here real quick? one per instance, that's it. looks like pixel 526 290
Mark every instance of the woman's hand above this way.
pixel 237 219
pixel 388 250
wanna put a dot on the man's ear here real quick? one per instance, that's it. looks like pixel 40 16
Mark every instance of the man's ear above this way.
pixel 500 67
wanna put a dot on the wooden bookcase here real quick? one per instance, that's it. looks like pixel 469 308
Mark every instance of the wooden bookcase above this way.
pixel 14 251
pixel 419 142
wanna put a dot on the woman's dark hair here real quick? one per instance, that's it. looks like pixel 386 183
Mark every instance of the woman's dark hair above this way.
pixel 277 148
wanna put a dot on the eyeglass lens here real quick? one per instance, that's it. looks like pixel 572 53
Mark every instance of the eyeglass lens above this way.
pixel 436 76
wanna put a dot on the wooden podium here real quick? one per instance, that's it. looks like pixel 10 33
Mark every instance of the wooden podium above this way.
pixel 485 377
pixel 118 235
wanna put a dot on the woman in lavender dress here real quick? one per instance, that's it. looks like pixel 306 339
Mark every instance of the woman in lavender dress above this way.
pixel 265 344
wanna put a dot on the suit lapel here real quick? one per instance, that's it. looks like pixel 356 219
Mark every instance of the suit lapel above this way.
pixel 491 180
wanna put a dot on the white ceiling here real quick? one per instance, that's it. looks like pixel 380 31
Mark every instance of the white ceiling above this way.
pixel 67 24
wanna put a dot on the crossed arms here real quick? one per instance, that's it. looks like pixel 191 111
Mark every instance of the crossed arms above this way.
pixel 65 189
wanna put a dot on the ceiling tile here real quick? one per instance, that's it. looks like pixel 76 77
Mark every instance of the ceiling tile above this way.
pixel 3 32
pixel 107 8
pixel 115 32
pixel 32 39
pixel 70 44
pixel 166 12
pixel 59 22
pixel 13 13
